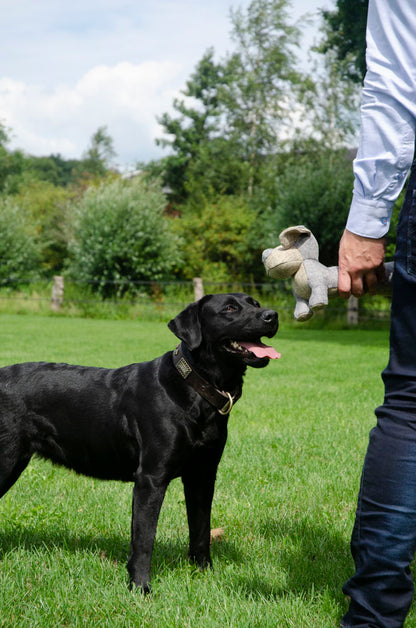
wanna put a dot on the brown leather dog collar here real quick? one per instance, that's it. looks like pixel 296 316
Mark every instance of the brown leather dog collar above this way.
pixel 223 401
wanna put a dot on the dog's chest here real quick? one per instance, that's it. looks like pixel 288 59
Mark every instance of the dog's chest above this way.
pixel 209 430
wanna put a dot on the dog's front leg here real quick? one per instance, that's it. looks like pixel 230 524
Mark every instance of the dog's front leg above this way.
pixel 199 482
pixel 147 501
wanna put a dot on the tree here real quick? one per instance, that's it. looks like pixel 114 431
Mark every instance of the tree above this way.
pixel 237 105
pixel 262 71
pixel 98 156
pixel 121 236
pixel 19 250
pixel 11 164
pixel 216 171
pixel 18 170
pixel 198 121
pixel 345 34
pixel 330 105
pixel 47 208
pixel 53 169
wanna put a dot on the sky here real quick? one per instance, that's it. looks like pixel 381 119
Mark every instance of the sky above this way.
pixel 68 68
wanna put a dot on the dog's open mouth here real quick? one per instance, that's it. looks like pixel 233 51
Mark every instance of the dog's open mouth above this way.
pixel 255 347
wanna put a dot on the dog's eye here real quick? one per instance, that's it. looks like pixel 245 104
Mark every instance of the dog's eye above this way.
pixel 230 308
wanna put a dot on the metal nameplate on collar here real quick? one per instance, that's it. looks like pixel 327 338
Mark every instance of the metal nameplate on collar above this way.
pixel 228 406
pixel 183 368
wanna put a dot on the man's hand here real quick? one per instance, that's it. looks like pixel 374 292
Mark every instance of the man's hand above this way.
pixel 360 264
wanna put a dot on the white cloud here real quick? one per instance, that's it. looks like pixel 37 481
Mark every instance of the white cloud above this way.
pixel 124 97
pixel 68 68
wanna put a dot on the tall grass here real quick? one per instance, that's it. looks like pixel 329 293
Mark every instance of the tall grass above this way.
pixel 161 301
pixel 285 495
pixel 151 302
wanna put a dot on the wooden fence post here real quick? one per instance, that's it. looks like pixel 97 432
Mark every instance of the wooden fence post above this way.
pixel 352 311
pixel 57 293
pixel 198 288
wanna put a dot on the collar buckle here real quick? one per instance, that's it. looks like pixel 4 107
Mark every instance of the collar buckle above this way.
pixel 228 405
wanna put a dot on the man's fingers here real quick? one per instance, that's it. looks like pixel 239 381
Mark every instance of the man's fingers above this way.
pixel 359 261
pixel 373 278
pixel 371 281
pixel 344 284
pixel 350 283
pixel 381 273
pixel 357 285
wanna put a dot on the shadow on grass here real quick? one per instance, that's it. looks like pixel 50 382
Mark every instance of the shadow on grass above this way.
pixel 113 548
pixel 310 558
pixel 304 560
pixel 29 538
pixel 313 557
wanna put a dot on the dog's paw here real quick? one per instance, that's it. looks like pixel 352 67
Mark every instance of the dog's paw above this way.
pixel 141 587
pixel 201 561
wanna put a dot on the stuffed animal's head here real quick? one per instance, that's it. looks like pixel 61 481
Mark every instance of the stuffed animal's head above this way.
pixel 296 244
pixel 281 263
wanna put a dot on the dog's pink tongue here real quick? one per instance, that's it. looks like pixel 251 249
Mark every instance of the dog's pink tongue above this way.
pixel 260 350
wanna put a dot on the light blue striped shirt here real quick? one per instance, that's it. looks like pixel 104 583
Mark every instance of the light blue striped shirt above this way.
pixel 388 116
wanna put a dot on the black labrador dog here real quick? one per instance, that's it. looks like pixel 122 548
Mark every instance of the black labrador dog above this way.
pixel 145 423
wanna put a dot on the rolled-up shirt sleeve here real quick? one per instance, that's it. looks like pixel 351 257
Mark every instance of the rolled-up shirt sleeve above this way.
pixel 388 116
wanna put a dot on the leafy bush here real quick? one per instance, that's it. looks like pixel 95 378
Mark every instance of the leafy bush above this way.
pixel 121 236
pixel 47 207
pixel 218 240
pixel 19 249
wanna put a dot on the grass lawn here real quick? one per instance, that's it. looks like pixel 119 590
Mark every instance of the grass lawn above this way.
pixel 286 494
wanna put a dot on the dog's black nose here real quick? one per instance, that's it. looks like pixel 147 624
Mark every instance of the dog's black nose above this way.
pixel 269 316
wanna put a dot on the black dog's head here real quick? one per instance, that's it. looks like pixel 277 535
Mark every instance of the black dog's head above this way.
pixel 229 324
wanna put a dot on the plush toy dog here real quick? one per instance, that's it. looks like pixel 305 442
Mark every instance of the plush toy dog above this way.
pixel 297 257
pixel 312 282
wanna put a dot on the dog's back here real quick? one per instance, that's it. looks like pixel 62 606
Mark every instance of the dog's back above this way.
pixel 85 418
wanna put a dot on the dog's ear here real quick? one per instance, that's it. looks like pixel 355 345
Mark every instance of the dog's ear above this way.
pixel 289 236
pixel 187 325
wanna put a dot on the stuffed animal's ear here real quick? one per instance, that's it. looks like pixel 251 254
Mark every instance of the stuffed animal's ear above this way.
pixel 290 235
pixel 187 325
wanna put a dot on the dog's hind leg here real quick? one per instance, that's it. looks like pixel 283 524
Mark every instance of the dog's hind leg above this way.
pixel 13 460
pixel 9 474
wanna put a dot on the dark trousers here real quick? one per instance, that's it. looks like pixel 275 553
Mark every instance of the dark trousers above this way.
pixel 384 537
